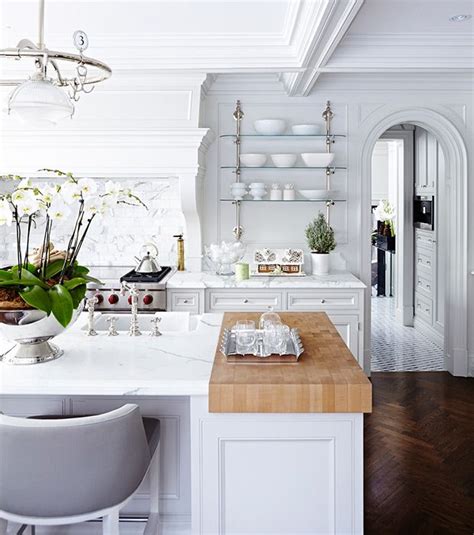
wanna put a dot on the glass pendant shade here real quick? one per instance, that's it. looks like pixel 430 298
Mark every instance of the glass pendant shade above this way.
pixel 39 102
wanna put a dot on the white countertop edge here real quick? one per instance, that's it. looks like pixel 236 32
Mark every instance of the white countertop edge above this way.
pixel 201 280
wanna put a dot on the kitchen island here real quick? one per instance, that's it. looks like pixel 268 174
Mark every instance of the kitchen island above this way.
pixel 232 470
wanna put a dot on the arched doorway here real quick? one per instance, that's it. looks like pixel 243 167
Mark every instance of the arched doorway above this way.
pixel 456 282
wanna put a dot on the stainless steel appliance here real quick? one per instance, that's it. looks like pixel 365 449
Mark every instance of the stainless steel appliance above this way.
pixel 151 287
pixel 423 212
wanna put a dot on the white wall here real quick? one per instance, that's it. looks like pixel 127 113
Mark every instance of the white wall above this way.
pixel 355 99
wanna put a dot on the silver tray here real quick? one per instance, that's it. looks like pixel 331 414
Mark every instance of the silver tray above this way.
pixel 294 347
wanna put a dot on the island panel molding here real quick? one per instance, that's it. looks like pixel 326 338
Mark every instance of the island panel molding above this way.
pixel 326 378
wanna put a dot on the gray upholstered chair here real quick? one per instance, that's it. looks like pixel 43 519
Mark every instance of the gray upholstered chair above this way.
pixel 57 471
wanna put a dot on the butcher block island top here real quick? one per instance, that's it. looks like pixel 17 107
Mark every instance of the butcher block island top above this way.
pixel 326 378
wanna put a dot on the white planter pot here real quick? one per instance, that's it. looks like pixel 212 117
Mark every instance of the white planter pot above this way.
pixel 320 263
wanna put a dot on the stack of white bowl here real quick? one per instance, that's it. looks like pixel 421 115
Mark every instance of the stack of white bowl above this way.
pixel 257 190
pixel 238 190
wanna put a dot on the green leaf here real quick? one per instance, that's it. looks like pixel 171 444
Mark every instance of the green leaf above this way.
pixel 73 283
pixel 53 269
pixel 37 298
pixel 61 304
pixel 78 295
pixel 29 279
pixel 88 278
pixel 80 271
pixel 5 275
pixel 30 267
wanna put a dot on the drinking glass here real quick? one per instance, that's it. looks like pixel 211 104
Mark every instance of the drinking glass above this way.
pixel 269 318
pixel 275 338
pixel 245 336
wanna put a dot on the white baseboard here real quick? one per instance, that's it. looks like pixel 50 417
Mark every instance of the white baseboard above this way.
pixel 428 331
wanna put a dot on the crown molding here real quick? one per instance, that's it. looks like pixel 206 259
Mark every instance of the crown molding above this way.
pixel 318 46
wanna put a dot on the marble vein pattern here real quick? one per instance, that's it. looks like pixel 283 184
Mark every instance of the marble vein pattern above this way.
pixel 205 279
pixel 115 240
pixel 177 363
pixel 397 348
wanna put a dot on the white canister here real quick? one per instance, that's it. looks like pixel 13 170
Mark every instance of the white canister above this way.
pixel 289 193
pixel 275 193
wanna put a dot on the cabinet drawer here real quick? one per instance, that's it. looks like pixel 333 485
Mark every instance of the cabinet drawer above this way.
pixel 322 300
pixel 185 301
pixel 424 239
pixel 424 308
pixel 31 406
pixel 251 300
pixel 424 259
pixel 424 284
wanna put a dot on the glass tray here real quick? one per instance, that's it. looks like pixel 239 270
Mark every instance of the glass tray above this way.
pixel 294 349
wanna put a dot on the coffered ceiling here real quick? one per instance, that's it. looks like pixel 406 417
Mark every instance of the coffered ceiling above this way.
pixel 296 39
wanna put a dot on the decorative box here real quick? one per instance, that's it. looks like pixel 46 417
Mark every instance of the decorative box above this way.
pixel 279 262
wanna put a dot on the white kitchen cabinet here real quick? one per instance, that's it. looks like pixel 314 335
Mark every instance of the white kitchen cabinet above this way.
pixel 426 162
pixel 186 301
pixel 25 406
pixel 241 300
pixel 276 473
pixel 429 284
pixel 344 306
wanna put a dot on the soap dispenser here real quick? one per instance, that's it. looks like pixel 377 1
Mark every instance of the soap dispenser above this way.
pixel 180 250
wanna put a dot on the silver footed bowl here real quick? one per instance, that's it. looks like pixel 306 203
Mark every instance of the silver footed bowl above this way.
pixel 30 330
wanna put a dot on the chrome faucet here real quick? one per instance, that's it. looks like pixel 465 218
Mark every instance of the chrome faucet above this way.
pixel 90 305
pixel 132 289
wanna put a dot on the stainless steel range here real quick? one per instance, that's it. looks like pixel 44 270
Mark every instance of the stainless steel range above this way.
pixel 112 297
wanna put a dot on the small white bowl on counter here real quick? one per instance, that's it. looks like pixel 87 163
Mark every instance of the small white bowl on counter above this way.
pixel 284 160
pixel 270 127
pixel 307 129
pixel 317 194
pixel 253 160
pixel 317 159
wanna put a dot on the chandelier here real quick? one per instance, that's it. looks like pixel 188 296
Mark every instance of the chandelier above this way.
pixel 58 81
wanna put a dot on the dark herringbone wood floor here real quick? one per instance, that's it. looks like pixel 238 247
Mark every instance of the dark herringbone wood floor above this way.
pixel 419 455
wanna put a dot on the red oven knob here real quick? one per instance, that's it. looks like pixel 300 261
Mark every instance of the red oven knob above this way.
pixel 100 298
pixel 129 299
pixel 147 299
pixel 113 299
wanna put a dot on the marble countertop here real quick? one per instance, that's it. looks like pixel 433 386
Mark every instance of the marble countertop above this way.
pixel 203 279
pixel 172 364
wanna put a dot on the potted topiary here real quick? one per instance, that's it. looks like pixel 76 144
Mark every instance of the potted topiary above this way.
pixel 320 237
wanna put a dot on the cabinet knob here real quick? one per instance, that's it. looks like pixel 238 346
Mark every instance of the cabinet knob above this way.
pixel 323 301
pixel 185 301
pixel 428 263
pixel 246 300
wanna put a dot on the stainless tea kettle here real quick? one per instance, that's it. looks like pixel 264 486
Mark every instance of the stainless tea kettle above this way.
pixel 149 261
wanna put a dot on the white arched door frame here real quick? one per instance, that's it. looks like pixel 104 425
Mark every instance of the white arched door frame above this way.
pixel 455 153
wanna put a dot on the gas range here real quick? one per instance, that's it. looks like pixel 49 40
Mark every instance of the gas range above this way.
pixel 151 287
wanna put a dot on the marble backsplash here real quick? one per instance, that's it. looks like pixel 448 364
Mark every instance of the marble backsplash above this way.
pixel 114 240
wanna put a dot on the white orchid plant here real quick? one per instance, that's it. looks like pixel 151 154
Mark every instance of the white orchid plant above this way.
pixel 45 278
pixel 385 213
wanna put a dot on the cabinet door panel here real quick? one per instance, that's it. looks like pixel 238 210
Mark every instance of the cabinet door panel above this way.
pixel 32 406
pixel 348 328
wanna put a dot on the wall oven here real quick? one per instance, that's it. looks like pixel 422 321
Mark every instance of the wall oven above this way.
pixel 423 212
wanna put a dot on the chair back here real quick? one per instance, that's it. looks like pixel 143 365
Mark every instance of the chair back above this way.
pixel 71 466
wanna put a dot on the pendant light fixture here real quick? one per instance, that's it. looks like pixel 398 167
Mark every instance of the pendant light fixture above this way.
pixel 49 94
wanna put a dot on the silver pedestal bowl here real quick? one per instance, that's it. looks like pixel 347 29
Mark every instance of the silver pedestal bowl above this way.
pixel 31 330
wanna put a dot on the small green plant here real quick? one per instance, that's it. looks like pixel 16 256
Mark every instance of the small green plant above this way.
pixel 320 235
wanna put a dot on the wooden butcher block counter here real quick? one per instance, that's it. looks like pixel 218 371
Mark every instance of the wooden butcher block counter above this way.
pixel 326 378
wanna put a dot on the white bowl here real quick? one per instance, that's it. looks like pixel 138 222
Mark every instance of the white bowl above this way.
pixel 257 185
pixel 253 160
pixel 307 129
pixel 258 195
pixel 238 186
pixel 284 160
pixel 317 159
pixel 269 127
pixel 317 194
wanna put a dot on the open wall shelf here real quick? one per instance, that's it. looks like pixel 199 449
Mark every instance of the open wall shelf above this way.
pixel 328 138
